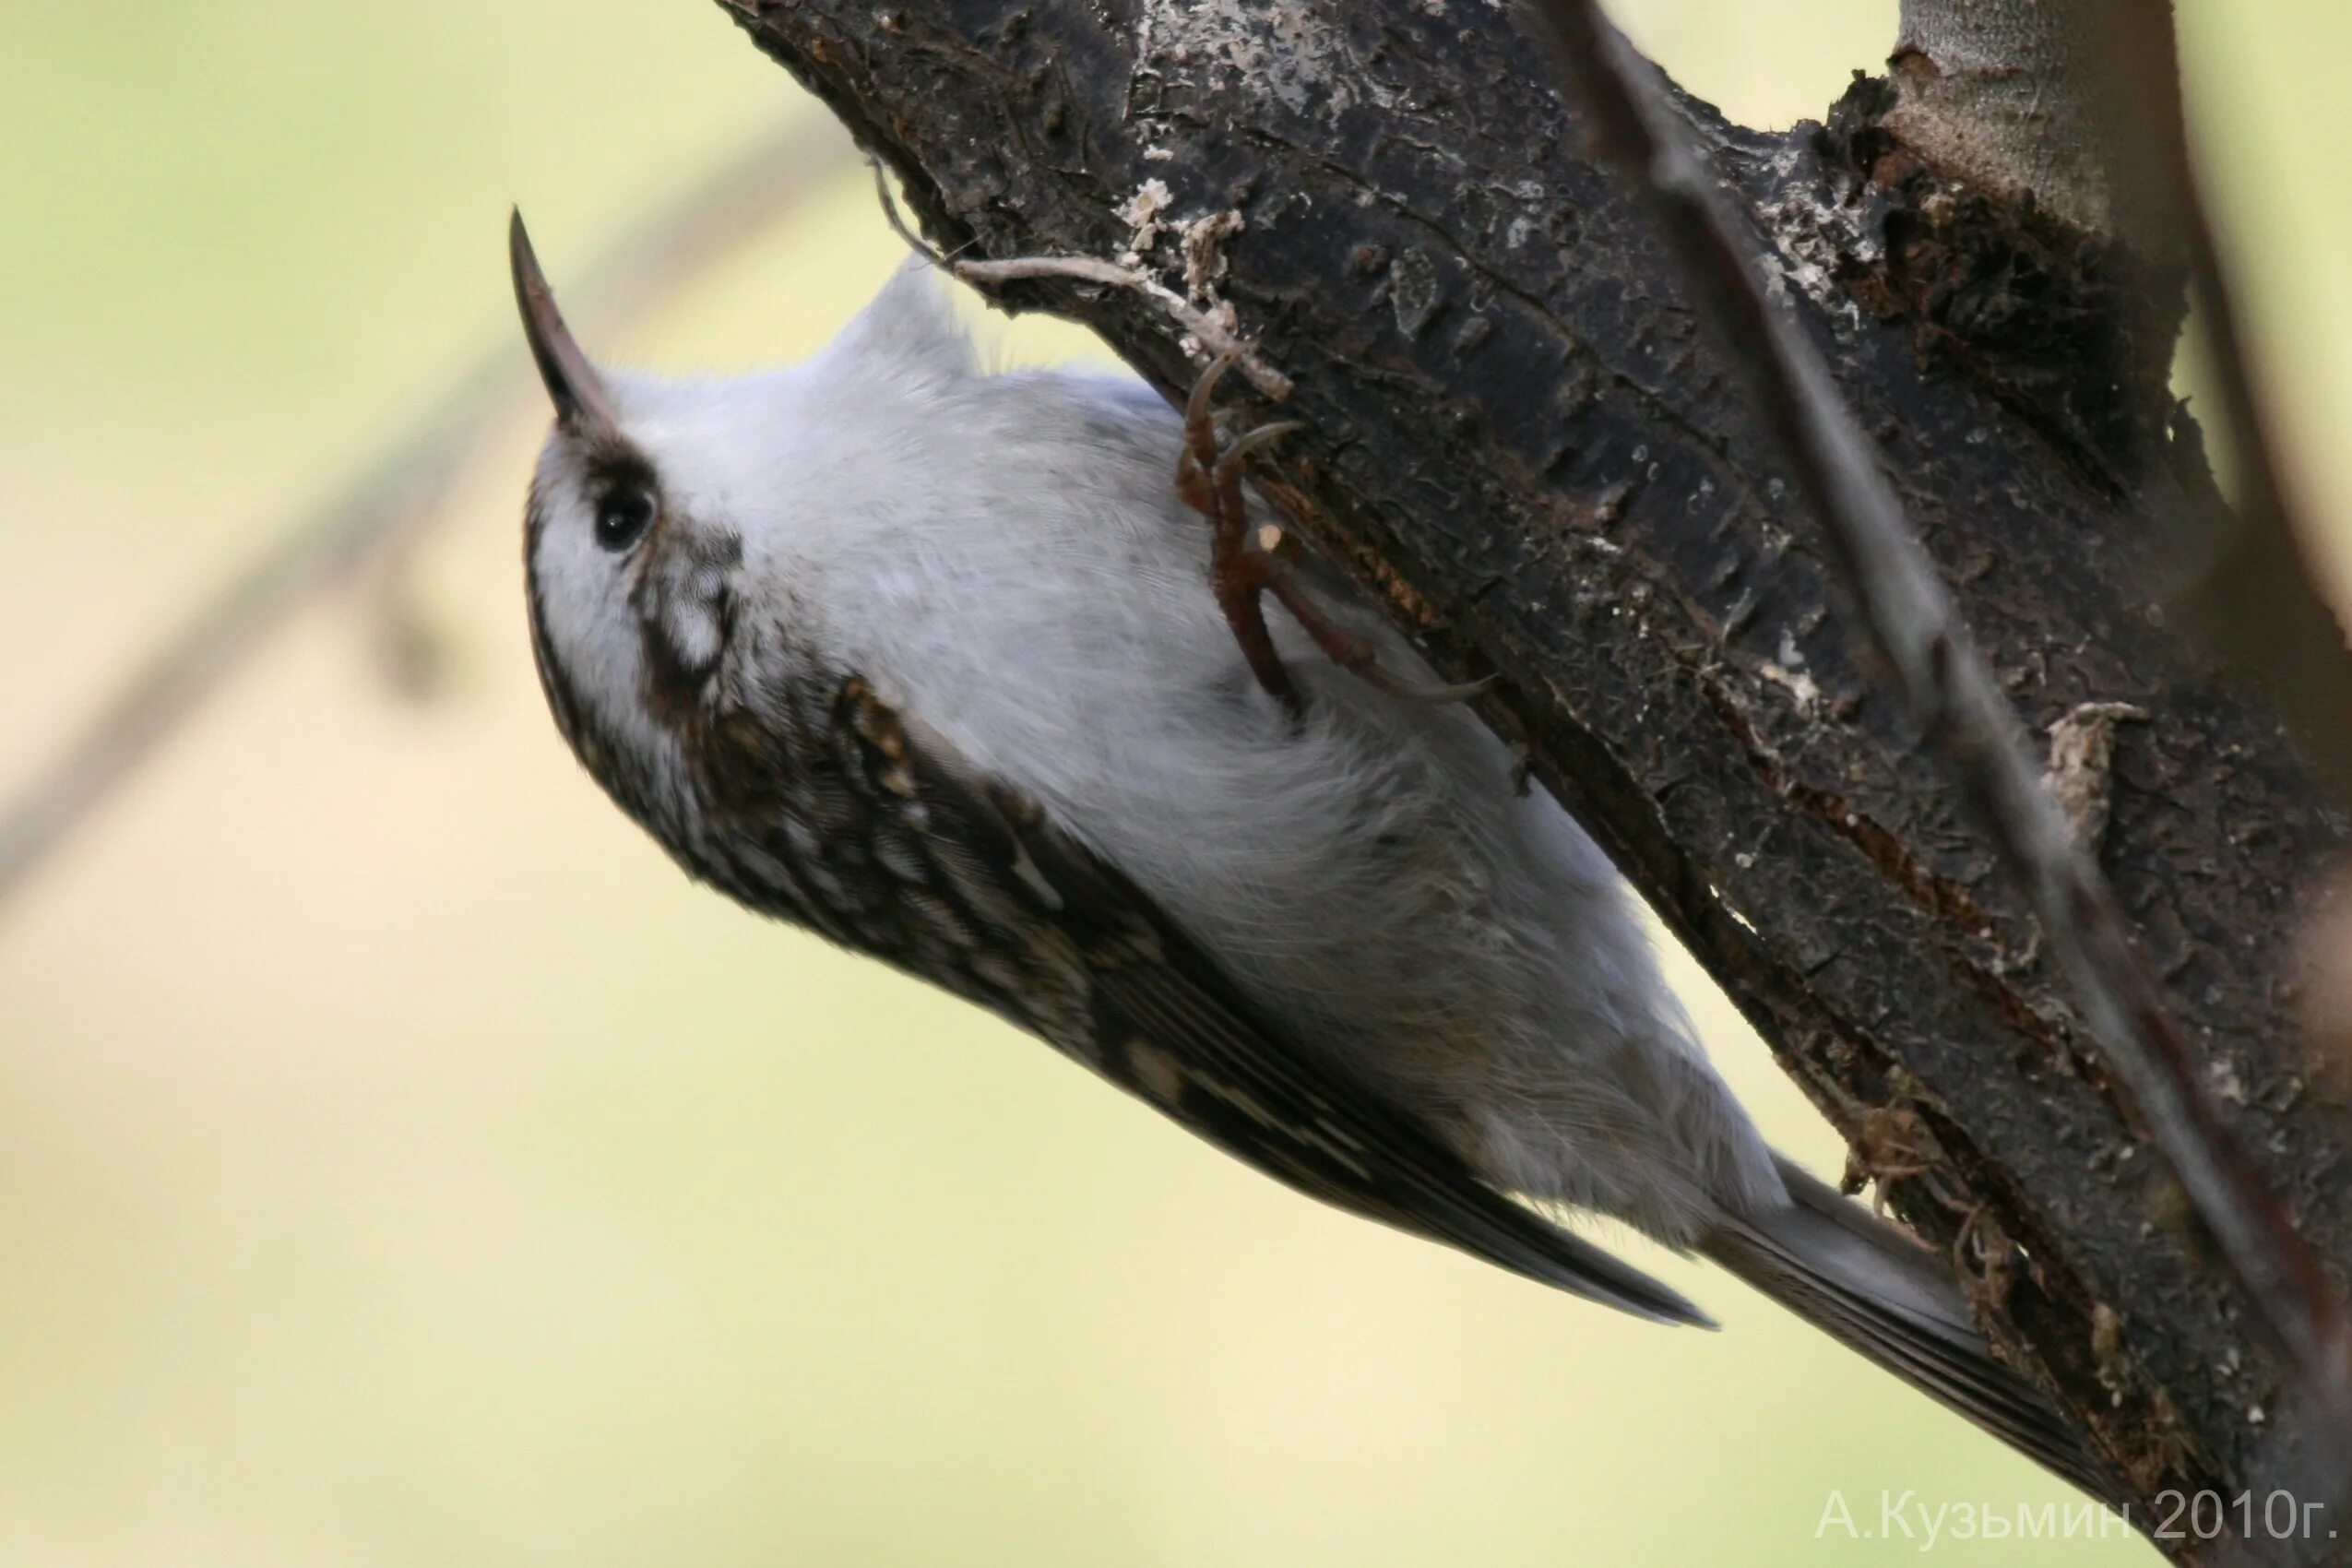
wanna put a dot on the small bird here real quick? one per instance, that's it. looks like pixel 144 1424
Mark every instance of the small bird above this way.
pixel 928 660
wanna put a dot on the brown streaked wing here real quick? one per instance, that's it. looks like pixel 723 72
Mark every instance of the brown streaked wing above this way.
pixel 1154 1014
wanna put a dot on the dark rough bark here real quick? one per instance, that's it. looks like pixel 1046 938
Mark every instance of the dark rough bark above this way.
pixel 1516 432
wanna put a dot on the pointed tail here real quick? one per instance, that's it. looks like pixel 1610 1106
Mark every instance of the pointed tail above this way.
pixel 1876 1291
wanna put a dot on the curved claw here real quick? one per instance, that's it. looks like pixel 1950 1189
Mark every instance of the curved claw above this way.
pixel 1196 406
pixel 1383 682
pixel 1265 435
pixel 1209 480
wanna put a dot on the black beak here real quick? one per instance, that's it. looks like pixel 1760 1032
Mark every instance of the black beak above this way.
pixel 582 403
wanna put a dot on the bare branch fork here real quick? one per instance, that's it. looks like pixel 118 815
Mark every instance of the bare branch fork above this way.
pixel 1957 704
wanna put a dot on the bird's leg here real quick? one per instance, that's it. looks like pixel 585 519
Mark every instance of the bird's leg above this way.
pixel 1210 483
pixel 1356 655
pixel 1209 480
pixel 1892 1144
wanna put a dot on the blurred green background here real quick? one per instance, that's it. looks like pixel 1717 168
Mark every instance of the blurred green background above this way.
pixel 401 1163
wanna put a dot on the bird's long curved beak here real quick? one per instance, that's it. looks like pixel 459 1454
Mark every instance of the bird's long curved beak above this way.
pixel 582 402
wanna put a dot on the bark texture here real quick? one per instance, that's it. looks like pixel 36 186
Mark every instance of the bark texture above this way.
pixel 2020 97
pixel 1520 437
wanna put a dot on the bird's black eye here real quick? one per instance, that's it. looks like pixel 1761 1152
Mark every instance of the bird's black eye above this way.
pixel 623 516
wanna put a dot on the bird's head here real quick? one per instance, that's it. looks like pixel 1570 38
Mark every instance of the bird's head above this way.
pixel 632 564
pixel 676 529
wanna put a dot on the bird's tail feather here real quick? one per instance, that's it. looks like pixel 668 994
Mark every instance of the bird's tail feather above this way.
pixel 1879 1293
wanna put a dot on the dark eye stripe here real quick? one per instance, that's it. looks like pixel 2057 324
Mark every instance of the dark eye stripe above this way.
pixel 612 467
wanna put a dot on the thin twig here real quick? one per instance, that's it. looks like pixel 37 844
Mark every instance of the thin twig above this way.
pixel 2259 598
pixel 1214 337
pixel 897 220
pixel 394 496
pixel 2256 595
pixel 2263 596
pixel 1951 693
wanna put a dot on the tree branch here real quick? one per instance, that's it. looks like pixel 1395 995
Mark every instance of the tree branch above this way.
pixel 1518 436
pixel 1960 710
pixel 2075 105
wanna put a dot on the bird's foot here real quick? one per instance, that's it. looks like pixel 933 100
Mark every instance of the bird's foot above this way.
pixel 1208 480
